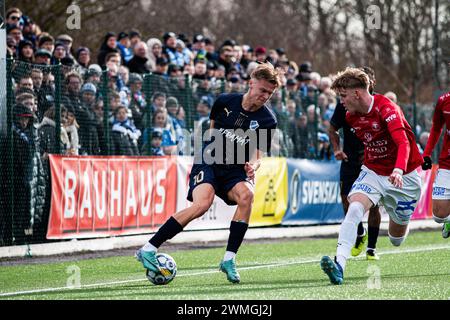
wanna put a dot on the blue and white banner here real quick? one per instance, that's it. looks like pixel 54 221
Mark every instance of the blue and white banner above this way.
pixel 314 193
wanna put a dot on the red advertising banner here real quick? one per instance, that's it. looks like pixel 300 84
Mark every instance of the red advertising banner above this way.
pixel 106 196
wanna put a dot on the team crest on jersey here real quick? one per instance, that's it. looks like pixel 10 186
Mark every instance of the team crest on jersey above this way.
pixel 376 126
pixel 368 137
pixel 254 125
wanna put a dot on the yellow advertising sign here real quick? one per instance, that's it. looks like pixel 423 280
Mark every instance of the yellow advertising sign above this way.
pixel 271 193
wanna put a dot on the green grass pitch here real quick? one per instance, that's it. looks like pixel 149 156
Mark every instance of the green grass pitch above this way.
pixel 287 270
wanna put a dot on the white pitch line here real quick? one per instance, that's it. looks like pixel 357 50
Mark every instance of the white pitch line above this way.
pixel 17 293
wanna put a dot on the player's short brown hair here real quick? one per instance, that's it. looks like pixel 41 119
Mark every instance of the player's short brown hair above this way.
pixel 266 71
pixel 351 78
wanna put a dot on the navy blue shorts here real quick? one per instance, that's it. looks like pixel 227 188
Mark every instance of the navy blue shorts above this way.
pixel 222 177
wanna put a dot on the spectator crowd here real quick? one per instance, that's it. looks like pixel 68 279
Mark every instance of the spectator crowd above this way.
pixel 187 74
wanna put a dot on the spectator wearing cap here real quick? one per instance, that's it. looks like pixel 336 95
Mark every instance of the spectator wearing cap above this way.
pixel 304 80
pixel 26 51
pixel 13 17
pixel 46 42
pixel 281 53
pixel 227 58
pixel 155 51
pixel 42 57
pixel 135 37
pixel 173 109
pixel 138 64
pixel 137 103
pixel 184 53
pixel 67 41
pixel 93 74
pixel 160 79
pixel 199 47
pixel 109 45
pixel 260 54
pixel 124 45
pixel 157 138
pixel 124 134
pixel 83 57
pixel 15 32
pixel 211 54
pixel 42 105
pixel 203 108
pixel 87 120
pixel 88 94
pixel 59 53
pixel 324 147
pixel 170 49
pixel 29 30
pixel 211 68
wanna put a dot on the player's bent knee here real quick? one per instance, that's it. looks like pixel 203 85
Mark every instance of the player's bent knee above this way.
pixel 245 198
pixel 200 208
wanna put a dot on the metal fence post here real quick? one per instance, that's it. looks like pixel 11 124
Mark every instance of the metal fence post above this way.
pixel 147 88
pixel 58 80
pixel 189 103
pixel 106 136
pixel 10 143
pixel 316 124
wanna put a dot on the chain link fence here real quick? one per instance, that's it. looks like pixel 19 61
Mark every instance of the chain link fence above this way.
pixel 75 111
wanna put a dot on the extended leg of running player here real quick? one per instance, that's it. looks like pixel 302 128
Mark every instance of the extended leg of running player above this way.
pixel 242 194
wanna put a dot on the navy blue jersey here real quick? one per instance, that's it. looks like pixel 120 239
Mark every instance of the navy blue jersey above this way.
pixel 241 132
pixel 353 147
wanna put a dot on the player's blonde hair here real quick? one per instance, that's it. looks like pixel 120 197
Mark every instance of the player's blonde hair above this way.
pixel 351 78
pixel 266 71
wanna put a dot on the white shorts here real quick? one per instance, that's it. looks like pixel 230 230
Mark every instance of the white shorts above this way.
pixel 399 203
pixel 441 185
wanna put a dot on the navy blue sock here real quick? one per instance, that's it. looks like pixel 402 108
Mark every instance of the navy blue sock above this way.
pixel 360 229
pixel 237 233
pixel 167 231
pixel 373 237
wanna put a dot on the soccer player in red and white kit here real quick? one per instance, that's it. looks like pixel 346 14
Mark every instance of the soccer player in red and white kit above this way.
pixel 441 187
pixel 388 176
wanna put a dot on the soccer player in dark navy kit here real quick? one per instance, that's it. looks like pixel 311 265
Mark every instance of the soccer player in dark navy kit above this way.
pixel 352 156
pixel 242 126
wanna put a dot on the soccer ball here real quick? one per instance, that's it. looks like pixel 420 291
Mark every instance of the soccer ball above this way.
pixel 168 270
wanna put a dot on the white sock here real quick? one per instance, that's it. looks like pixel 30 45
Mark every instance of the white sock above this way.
pixel 229 256
pixel 441 220
pixel 348 232
pixel 149 247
